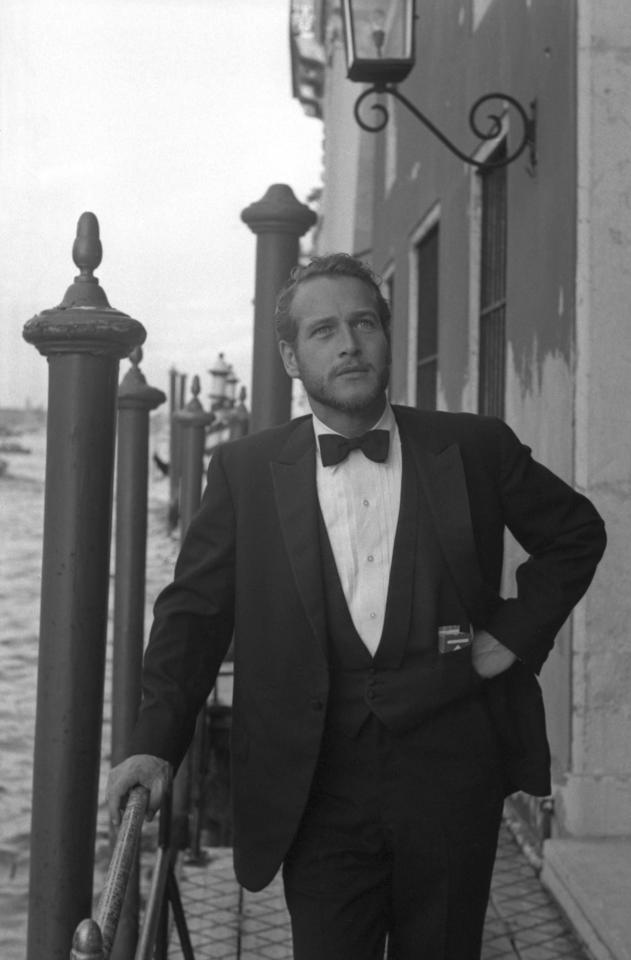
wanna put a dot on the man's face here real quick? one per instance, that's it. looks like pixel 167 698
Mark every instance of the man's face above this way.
pixel 340 353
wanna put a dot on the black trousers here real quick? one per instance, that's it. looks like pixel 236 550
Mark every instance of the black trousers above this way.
pixel 398 842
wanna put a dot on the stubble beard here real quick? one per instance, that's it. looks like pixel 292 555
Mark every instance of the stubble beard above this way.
pixel 322 392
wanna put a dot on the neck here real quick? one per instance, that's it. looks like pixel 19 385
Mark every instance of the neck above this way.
pixel 350 423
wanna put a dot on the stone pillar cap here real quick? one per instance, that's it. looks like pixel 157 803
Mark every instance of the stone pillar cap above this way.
pixel 193 414
pixel 278 211
pixel 134 391
pixel 84 321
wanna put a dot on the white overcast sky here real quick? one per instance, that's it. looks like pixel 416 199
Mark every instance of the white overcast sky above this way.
pixel 165 118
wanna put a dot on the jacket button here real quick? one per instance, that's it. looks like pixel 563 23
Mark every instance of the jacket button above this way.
pixel 317 703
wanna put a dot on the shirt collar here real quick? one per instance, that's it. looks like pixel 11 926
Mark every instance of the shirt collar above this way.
pixel 385 422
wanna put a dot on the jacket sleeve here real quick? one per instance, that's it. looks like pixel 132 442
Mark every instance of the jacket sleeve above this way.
pixel 192 627
pixel 565 538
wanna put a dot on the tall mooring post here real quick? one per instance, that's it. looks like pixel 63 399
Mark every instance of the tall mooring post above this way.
pixel 279 220
pixel 83 339
pixel 135 401
pixel 192 422
pixel 177 383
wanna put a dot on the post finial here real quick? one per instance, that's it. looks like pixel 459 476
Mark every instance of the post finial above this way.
pixel 87 254
pixel 136 355
pixel 87 251
pixel 193 414
pixel 87 942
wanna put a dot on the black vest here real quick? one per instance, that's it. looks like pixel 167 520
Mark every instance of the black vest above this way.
pixel 407 679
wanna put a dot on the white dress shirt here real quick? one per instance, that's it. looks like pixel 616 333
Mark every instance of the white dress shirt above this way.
pixel 360 502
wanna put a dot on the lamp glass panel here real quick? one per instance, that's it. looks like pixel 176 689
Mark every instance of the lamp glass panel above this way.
pixel 218 376
pixel 382 29
pixel 231 386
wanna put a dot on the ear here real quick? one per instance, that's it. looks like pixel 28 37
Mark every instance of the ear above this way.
pixel 289 358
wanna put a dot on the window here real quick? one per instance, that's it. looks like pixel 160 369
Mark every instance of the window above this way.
pixel 427 320
pixel 389 291
pixel 492 373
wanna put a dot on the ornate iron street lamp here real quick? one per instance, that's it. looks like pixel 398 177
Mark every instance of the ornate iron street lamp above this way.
pixel 218 383
pixel 380 51
pixel 230 418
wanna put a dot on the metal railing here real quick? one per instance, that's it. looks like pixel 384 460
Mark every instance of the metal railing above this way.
pixel 94 937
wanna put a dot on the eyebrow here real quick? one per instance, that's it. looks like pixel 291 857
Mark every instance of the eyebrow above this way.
pixel 328 318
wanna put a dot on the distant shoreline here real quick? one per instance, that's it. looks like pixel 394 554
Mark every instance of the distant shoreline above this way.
pixel 15 421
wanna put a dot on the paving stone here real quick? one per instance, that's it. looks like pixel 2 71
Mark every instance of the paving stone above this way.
pixel 276 952
pixel 502 950
pixel 227 923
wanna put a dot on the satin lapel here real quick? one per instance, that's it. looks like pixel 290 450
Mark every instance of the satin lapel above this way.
pixel 294 477
pixel 444 483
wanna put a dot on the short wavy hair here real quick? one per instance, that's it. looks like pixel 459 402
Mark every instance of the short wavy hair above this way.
pixel 332 265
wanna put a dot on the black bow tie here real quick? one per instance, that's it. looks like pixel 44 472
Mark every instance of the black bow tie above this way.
pixel 334 448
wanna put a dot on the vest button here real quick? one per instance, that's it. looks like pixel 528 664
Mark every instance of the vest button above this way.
pixel 317 704
pixel 370 693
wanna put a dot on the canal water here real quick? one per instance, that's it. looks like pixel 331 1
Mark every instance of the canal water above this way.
pixel 21 525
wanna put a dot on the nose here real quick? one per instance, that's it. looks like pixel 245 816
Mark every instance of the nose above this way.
pixel 348 340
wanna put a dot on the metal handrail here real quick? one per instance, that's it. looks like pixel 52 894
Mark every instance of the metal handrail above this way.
pixel 121 865
pixel 94 937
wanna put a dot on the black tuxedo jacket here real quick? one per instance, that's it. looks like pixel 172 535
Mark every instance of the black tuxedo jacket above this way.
pixel 250 567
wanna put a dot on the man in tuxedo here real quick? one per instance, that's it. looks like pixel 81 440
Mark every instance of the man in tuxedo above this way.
pixel 385 696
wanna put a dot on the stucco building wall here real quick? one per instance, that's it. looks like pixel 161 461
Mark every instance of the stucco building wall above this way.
pixel 568 288
pixel 528 50
pixel 596 796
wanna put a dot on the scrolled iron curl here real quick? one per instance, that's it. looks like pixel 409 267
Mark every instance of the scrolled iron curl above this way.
pixel 378 108
pixel 484 134
pixel 495 129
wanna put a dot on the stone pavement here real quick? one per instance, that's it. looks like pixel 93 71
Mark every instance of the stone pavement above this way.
pixel 591 879
pixel 229 923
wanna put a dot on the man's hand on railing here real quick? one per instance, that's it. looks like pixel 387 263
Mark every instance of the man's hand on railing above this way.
pixel 150 772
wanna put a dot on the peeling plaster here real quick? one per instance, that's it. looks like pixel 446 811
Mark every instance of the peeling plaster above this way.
pixel 539 393
pixel 480 8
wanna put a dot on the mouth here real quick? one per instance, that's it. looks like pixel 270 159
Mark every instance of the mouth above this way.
pixel 351 371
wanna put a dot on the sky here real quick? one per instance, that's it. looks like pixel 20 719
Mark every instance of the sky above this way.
pixel 165 118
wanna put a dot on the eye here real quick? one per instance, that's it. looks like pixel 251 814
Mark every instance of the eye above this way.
pixel 322 330
pixel 367 322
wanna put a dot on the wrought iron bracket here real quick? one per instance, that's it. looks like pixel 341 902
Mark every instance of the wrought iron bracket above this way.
pixel 528 132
